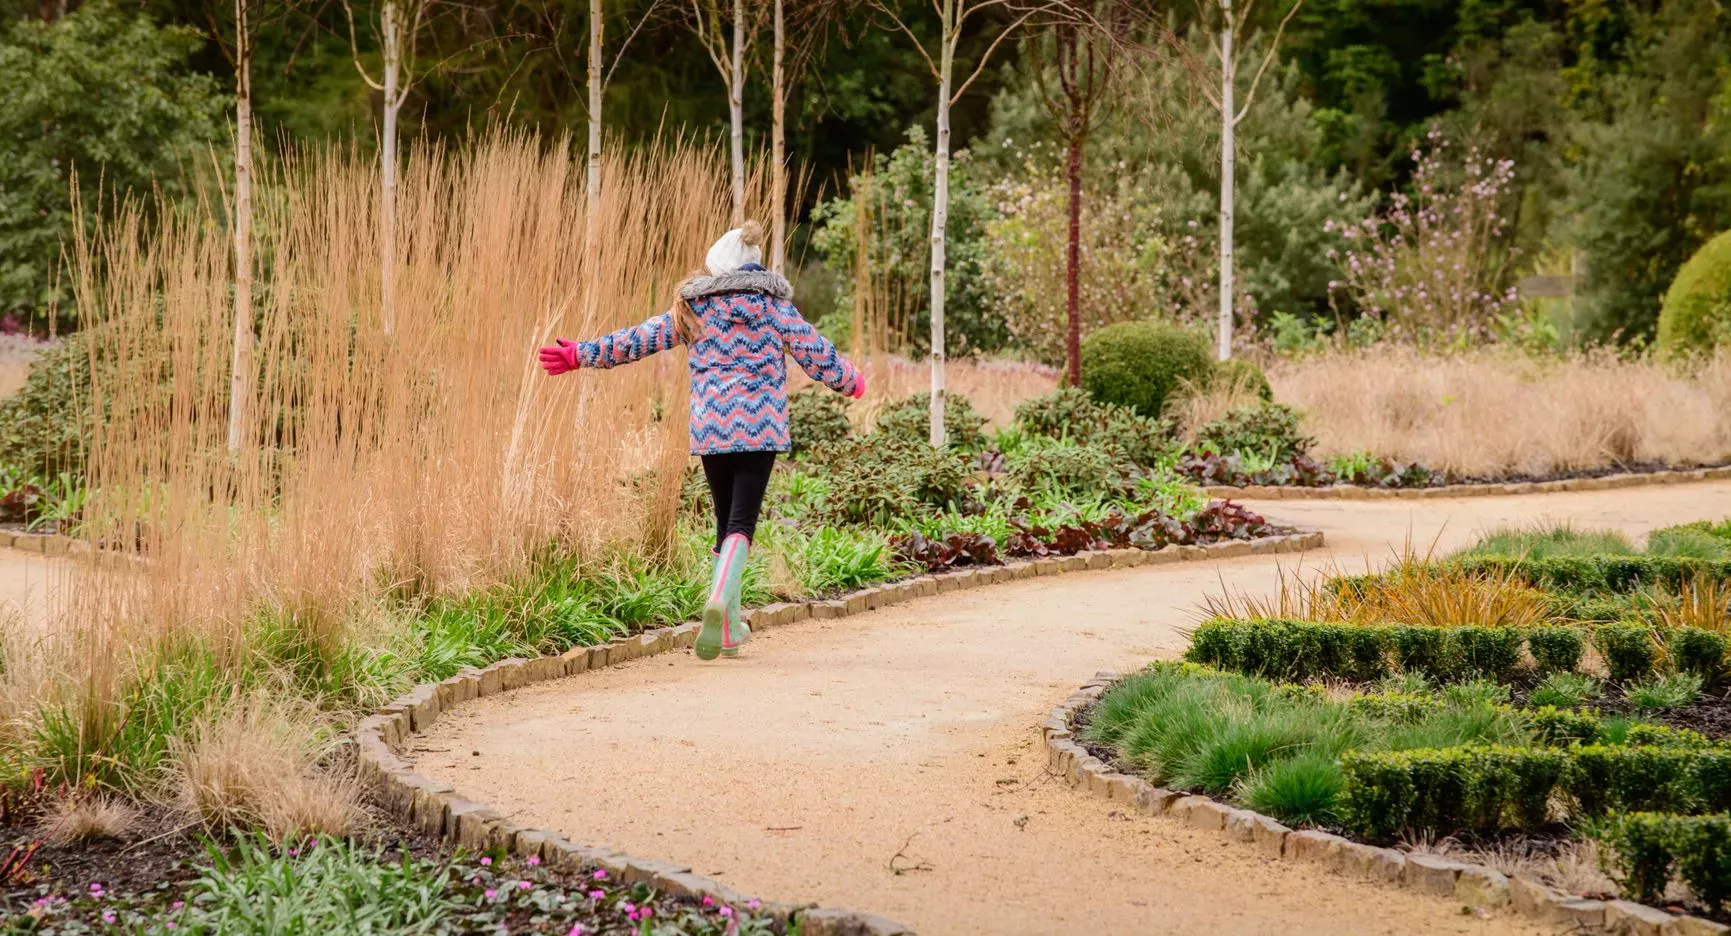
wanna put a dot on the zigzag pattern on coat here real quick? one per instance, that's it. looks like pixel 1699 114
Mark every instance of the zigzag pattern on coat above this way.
pixel 738 367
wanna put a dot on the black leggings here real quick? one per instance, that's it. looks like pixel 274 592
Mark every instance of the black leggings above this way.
pixel 736 482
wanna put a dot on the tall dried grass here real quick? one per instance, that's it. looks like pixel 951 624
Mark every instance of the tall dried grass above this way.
pixel 1492 413
pixel 376 468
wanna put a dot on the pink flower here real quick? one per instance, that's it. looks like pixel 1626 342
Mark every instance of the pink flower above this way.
pixel 108 916
pixel 486 861
pixel 726 911
pixel 171 924
pixel 597 894
pixel 524 885
pixel 576 930
pixel 177 905
pixel 629 907
pixel 600 874
pixel 709 901
pixel 754 903
pixel 534 861
pixel 490 894
pixel 632 916
pixel 294 853
pixel 646 912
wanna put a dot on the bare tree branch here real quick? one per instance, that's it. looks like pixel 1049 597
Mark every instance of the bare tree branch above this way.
pixel 1273 48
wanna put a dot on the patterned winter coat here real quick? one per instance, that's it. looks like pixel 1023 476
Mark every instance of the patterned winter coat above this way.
pixel 739 366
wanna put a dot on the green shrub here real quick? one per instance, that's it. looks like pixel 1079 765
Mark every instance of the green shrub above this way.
pixel 1561 726
pixel 1400 708
pixel 1696 315
pixel 1449 790
pixel 909 420
pixel 1488 652
pixel 1068 468
pixel 1064 413
pixel 45 427
pixel 1697 651
pixel 1141 365
pixel 1556 649
pixel 1566 690
pixel 1602 779
pixel 817 418
pixel 1644 848
pixel 1240 374
pixel 875 481
pixel 1270 430
pixel 1629 651
pixel 1070 414
pixel 1424 650
pixel 1295 650
pixel 1651 735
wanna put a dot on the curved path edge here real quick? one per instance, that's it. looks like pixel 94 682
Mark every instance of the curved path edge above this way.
pixel 438 809
pixel 1487 489
pixel 1474 885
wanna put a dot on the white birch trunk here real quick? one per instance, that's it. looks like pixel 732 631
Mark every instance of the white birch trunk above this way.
pixel 240 373
pixel 388 167
pixel 736 110
pixel 778 152
pixel 940 219
pixel 594 178
pixel 1228 150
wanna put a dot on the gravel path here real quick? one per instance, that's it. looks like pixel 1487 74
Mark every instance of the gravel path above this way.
pixel 892 762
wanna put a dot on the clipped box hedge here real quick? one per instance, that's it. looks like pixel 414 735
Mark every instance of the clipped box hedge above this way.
pixel 1303 650
pixel 1444 791
pixel 1644 850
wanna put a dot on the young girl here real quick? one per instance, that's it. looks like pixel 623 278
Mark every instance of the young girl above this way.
pixel 737 322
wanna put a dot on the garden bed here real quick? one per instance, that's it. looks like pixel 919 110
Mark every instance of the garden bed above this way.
pixel 1465 701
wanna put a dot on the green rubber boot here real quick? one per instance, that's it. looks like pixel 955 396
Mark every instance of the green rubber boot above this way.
pixel 738 632
pixel 720 632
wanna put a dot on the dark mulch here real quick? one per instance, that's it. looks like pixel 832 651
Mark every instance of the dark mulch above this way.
pixel 1711 715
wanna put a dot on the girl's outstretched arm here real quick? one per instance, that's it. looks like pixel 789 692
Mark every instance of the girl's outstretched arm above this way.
pixel 621 347
pixel 814 352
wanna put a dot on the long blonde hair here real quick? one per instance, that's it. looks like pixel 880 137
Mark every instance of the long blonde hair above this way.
pixel 686 322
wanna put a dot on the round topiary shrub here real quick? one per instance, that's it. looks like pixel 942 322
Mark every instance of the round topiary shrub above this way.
pixel 1237 373
pixel 1696 315
pixel 1143 364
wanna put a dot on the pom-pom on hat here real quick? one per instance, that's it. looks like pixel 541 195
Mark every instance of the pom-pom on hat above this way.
pixel 735 249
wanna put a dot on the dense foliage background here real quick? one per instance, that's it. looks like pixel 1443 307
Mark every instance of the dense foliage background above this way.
pixel 1611 113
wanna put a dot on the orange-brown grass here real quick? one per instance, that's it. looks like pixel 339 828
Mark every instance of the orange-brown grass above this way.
pixel 374 467
pixel 82 819
pixel 1492 413
pixel 1703 602
pixel 1412 590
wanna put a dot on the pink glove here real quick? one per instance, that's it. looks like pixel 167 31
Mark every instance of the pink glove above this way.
pixel 561 358
pixel 859 387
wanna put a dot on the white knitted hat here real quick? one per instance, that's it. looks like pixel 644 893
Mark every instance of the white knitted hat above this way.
pixel 735 249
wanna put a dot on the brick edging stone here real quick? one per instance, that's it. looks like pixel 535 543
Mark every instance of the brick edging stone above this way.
pixel 440 810
pixel 1473 885
pixel 1355 492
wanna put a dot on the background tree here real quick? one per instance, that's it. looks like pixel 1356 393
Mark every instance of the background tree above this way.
pixel 726 48
pixel 1074 86
pixel 105 94
pixel 953 16
pixel 1230 116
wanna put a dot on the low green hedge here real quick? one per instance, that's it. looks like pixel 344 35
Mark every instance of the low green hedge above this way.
pixel 1642 850
pixel 1601 574
pixel 1444 791
pixel 1302 650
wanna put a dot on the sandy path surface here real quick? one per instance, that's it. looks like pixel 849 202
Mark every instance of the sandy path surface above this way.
pixel 892 762
pixel 25 579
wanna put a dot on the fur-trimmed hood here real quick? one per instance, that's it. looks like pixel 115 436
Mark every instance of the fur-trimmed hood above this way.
pixel 766 282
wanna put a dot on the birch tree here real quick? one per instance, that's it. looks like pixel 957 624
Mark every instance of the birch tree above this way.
pixel 399 26
pixel 1230 116
pixel 726 49
pixel 1073 84
pixel 241 367
pixel 953 16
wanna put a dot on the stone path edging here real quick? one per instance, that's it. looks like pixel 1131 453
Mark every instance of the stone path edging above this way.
pixel 1474 885
pixel 1355 492
pixel 439 810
